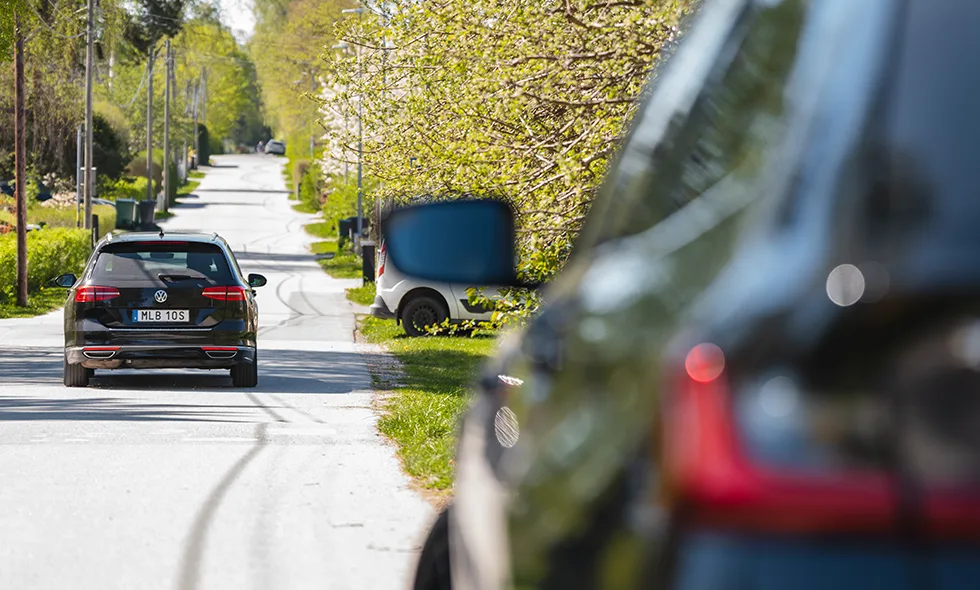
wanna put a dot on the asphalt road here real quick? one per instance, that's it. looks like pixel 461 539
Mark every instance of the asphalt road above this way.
pixel 173 479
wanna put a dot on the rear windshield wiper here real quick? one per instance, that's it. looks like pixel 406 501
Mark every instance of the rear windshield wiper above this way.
pixel 175 278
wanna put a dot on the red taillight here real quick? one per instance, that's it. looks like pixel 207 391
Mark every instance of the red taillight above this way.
pixel 225 293
pixel 708 471
pixel 382 258
pixel 92 294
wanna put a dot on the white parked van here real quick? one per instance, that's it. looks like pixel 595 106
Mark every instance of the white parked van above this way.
pixel 417 304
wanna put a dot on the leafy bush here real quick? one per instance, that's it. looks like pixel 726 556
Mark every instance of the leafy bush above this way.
pixel 109 150
pixel 341 201
pixel 50 252
pixel 125 188
pixel 65 217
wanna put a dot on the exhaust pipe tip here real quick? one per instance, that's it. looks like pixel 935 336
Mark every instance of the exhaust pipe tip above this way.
pixel 100 354
pixel 221 354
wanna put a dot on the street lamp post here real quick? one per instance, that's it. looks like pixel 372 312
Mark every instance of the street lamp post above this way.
pixel 360 132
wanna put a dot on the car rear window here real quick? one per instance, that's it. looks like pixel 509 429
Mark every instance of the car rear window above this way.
pixel 161 262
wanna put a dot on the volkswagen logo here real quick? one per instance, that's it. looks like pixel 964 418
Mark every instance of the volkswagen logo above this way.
pixel 160 296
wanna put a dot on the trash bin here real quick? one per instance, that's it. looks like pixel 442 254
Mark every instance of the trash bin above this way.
pixel 344 227
pixel 125 213
pixel 367 261
pixel 147 210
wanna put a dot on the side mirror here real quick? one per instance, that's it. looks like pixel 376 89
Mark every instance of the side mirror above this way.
pixel 465 241
pixel 255 280
pixel 66 281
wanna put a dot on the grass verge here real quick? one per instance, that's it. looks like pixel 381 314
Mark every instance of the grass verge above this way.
pixel 321 229
pixel 421 415
pixel 188 188
pixel 39 302
pixel 363 295
pixel 344 265
pixel 195 174
pixel 304 207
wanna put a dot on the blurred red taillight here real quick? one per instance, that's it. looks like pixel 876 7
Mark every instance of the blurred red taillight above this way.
pixel 707 470
pixel 92 294
pixel 225 293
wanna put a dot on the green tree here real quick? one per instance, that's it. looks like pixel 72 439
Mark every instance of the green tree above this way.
pixel 521 99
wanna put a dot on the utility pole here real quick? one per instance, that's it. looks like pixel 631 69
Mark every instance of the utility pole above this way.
pixel 149 126
pixel 166 131
pixel 20 166
pixel 197 132
pixel 89 157
pixel 79 175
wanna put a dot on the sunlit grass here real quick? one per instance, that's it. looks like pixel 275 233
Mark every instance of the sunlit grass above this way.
pixel 422 414
pixel 363 295
pixel 38 303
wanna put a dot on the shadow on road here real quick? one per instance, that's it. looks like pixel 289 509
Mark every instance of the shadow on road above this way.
pixel 280 371
pixel 21 408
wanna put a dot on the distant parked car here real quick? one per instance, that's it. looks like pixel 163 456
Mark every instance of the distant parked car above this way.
pixel 275 147
pixel 418 304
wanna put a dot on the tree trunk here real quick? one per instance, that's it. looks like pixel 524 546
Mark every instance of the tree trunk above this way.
pixel 20 164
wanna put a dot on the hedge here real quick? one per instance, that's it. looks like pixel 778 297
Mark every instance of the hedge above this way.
pixel 50 252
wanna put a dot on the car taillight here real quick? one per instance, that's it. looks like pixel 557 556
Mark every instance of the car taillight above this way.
pixel 382 258
pixel 92 294
pixel 766 455
pixel 235 293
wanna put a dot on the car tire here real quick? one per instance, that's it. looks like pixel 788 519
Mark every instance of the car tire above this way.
pixel 421 312
pixel 75 375
pixel 432 572
pixel 246 374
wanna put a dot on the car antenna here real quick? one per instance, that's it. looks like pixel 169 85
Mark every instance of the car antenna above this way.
pixel 161 233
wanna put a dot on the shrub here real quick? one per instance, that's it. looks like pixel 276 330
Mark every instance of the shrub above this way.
pixel 50 252
pixel 65 217
pixel 125 188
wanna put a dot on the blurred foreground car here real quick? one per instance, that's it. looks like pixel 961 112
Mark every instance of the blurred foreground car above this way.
pixel 761 367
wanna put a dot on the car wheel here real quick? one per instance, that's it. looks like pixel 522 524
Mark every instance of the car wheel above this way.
pixel 432 572
pixel 246 374
pixel 75 375
pixel 422 312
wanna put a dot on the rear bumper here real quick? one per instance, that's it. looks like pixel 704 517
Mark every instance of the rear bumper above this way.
pixel 379 309
pixel 159 357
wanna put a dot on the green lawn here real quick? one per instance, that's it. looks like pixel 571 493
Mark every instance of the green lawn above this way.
pixel 160 215
pixel 344 265
pixel 421 415
pixel 363 295
pixel 190 187
pixel 321 229
pixel 305 207
pixel 195 174
pixel 38 303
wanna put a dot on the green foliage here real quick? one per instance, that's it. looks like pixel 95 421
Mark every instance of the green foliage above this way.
pixel 321 230
pixel 529 109
pixel 50 252
pixel 152 20
pixel 428 398
pixel 39 302
pixel 125 188
pixel 344 265
pixel 363 295
pixel 110 154
pixel 289 38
